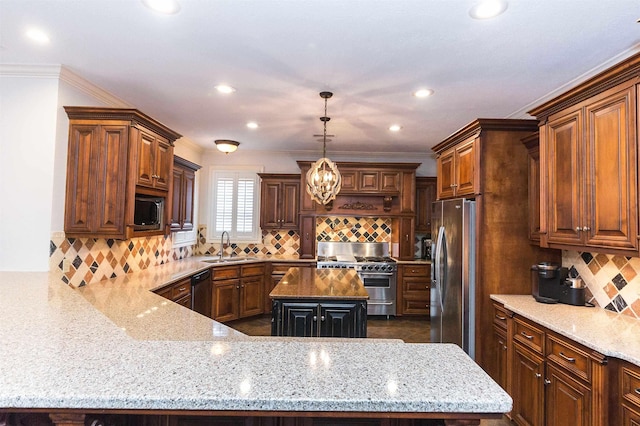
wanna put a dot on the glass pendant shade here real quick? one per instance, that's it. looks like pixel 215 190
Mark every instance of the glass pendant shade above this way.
pixel 323 178
pixel 323 181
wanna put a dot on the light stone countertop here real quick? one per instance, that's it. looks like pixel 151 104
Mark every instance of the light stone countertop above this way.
pixel 609 333
pixel 115 345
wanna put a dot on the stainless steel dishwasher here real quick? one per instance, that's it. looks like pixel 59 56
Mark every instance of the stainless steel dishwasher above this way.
pixel 201 293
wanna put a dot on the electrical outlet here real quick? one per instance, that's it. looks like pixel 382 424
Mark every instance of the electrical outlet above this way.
pixel 66 265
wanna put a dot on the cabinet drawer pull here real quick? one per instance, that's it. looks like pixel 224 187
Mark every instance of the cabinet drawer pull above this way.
pixel 500 317
pixel 566 358
pixel 637 390
pixel 182 289
pixel 526 336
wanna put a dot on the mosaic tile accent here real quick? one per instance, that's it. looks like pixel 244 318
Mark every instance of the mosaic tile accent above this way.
pixel 96 259
pixel 285 243
pixel 613 281
pixel 353 229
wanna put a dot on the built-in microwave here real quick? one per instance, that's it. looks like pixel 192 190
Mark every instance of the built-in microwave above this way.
pixel 148 213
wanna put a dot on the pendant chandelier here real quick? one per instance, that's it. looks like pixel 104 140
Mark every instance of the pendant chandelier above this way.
pixel 323 178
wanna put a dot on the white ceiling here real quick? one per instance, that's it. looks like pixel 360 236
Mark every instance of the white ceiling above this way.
pixel 280 54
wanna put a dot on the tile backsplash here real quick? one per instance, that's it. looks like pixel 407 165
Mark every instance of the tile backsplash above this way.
pixel 613 281
pixel 353 229
pixel 95 259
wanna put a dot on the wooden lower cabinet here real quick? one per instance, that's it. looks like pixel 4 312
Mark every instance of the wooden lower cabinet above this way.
pixel 415 289
pixel 568 401
pixel 527 388
pixel 238 291
pixel 300 318
pixel 553 380
pixel 629 394
pixel 179 292
pixel 500 357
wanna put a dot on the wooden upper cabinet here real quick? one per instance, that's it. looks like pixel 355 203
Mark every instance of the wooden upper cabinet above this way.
pixel 425 196
pixel 532 142
pixel 368 181
pixel 155 160
pixel 590 197
pixel 349 180
pixel 563 174
pixel 95 201
pixel 457 170
pixel 279 201
pixel 183 188
pixel 109 151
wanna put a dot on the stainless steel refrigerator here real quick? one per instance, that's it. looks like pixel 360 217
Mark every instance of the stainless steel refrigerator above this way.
pixel 452 303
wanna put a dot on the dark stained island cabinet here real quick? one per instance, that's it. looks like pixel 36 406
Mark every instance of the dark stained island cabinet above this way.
pixel 310 302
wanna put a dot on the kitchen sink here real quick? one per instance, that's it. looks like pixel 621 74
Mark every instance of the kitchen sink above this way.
pixel 229 259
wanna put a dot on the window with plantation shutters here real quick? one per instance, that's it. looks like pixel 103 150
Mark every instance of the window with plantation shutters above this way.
pixel 234 206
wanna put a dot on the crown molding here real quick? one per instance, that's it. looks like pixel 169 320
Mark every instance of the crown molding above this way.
pixel 524 111
pixel 62 73
pixel 30 70
pixel 92 89
pixel 189 144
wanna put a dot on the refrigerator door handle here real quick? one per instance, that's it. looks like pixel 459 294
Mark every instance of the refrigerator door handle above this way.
pixel 440 270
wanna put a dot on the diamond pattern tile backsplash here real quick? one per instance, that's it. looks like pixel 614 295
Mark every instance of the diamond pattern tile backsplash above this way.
pixel 96 259
pixel 353 229
pixel 613 282
pixel 283 243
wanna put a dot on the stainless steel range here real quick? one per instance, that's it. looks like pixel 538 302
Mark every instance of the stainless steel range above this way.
pixel 376 269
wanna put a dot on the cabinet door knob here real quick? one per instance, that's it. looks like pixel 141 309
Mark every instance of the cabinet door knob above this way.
pixel 586 228
pixel 315 318
pixel 322 318
pixel 578 229
pixel 538 375
pixel 637 391
pixel 547 381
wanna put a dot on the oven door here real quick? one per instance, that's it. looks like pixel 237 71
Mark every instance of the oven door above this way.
pixel 381 287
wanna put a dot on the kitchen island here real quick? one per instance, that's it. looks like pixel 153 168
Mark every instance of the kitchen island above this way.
pixel 310 302
pixel 66 353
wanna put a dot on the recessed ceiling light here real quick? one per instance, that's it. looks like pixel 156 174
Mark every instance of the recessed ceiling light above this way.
pixel 38 35
pixel 252 125
pixel 223 88
pixel 423 93
pixel 168 7
pixel 395 127
pixel 486 9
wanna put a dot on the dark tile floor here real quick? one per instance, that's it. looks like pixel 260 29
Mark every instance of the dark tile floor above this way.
pixel 409 329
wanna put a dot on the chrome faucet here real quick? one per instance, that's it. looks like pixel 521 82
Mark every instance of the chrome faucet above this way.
pixel 222 243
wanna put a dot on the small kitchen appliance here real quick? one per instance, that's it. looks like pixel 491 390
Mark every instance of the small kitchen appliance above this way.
pixel 550 283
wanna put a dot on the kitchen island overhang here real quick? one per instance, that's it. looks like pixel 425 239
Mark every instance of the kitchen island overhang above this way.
pixel 86 363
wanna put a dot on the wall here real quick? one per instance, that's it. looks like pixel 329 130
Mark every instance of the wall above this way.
pixel 27 144
pixel 613 282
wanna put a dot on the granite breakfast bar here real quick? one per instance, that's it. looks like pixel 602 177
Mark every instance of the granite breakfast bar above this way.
pixel 117 348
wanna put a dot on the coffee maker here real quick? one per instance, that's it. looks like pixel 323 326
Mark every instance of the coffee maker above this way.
pixel 550 283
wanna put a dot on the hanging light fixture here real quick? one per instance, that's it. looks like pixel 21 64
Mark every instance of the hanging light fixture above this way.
pixel 226 145
pixel 323 178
